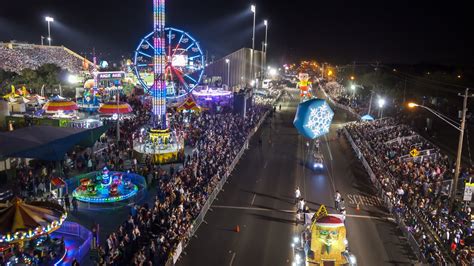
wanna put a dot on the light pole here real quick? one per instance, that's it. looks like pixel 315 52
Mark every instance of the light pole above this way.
pixel 460 128
pixel 227 61
pixel 353 88
pixel 265 22
pixel 381 103
pixel 253 8
pixel 42 40
pixel 49 20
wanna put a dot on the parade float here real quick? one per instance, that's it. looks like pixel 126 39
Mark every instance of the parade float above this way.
pixel 107 186
pixel 313 118
pixel 305 86
pixel 324 240
pixel 25 233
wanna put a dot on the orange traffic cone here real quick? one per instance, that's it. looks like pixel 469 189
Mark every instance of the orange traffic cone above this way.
pixel 237 229
pixel 357 207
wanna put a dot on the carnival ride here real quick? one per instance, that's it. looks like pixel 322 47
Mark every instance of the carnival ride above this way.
pixel 106 187
pixel 184 63
pixel 165 58
pixel 25 230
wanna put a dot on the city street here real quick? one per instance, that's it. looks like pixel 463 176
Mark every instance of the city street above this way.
pixel 259 198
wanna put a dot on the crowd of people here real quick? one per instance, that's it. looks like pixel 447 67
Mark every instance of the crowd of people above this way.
pixel 343 96
pixel 16 57
pixel 152 233
pixel 417 188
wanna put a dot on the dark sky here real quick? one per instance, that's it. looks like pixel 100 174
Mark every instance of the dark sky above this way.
pixel 334 31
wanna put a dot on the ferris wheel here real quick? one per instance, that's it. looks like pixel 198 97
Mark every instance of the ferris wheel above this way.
pixel 184 63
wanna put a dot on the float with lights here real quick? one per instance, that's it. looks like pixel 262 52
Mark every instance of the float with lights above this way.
pixel 323 240
pixel 25 230
pixel 106 187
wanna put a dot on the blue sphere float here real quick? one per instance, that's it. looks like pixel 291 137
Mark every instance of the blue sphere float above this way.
pixel 313 118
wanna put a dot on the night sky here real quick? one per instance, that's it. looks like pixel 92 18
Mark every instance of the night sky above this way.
pixel 335 31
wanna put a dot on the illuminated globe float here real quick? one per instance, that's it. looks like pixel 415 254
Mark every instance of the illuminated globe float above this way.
pixel 313 118
pixel 108 186
pixel 25 227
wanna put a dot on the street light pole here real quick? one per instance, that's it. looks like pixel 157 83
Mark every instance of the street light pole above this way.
pixel 460 128
pixel 228 71
pixel 370 102
pixel 252 69
pixel 266 47
pixel 460 144
pixel 118 117
pixel 49 34
pixel 262 69
pixel 49 20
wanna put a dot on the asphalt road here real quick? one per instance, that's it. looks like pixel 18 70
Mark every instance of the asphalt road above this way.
pixel 259 198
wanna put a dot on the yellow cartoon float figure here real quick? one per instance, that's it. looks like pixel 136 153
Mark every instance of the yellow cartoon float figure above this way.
pixel 328 241
pixel 304 85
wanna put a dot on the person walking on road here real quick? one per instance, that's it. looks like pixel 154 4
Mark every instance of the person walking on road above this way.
pixel 301 205
pixel 300 209
pixel 337 199
pixel 297 194
pixel 342 208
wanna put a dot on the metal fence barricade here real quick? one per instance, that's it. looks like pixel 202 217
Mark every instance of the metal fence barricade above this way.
pixel 200 218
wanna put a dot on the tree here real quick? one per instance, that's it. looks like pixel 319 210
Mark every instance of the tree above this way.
pixel 6 78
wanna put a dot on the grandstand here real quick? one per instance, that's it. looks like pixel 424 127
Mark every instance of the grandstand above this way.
pixel 15 57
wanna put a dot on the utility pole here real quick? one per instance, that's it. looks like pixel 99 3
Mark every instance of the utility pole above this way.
pixel 405 90
pixel 370 102
pixel 262 76
pixel 353 68
pixel 459 154
pixel 118 117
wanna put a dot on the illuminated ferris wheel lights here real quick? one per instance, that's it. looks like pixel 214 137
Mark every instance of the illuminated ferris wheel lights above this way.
pixel 184 62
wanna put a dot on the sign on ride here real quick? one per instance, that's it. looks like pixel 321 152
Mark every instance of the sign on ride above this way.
pixel 468 189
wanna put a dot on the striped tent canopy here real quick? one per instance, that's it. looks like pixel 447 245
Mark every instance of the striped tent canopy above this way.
pixel 115 108
pixel 189 105
pixel 60 105
pixel 20 221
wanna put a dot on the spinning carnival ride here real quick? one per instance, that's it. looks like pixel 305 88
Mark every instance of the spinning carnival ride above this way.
pixel 106 187
pixel 184 63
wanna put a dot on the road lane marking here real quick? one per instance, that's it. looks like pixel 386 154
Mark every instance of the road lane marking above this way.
pixel 293 211
pixel 265 165
pixel 370 217
pixel 232 259
pixel 251 208
pixel 329 149
pixel 363 200
pixel 253 199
